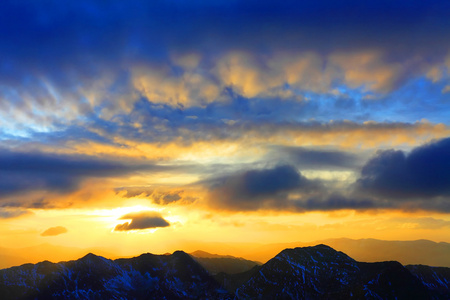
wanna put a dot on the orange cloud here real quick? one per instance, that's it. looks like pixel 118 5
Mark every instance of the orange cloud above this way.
pixel 158 85
pixel 240 142
pixel 52 231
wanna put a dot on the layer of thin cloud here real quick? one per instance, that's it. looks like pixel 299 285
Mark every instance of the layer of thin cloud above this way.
pixel 10 213
pixel 316 159
pixel 30 171
pixel 212 140
pixel 53 231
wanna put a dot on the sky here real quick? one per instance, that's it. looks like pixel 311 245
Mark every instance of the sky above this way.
pixel 146 126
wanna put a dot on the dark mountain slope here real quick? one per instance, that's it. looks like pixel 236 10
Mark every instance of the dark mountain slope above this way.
pixel 436 279
pixel 317 272
pixel 231 282
pixel 320 272
pixel 148 276
pixel 302 273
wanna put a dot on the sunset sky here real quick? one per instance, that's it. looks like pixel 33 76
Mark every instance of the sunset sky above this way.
pixel 148 126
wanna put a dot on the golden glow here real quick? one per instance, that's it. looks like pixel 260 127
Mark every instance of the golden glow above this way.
pixel 194 229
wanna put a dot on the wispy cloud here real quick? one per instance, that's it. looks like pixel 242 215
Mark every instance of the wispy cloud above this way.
pixel 52 231
pixel 9 213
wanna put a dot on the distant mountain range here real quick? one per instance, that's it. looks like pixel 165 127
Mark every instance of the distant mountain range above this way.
pixel 17 256
pixel 317 272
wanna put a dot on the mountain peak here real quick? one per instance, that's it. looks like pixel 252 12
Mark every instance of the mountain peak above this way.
pixel 91 260
pixel 314 255
pixel 91 257
pixel 180 253
pixel 322 246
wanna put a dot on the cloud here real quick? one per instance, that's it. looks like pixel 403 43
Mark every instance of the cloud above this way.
pixel 109 78
pixel 9 213
pixel 257 189
pixel 422 223
pixel 335 202
pixel 422 173
pixel 159 196
pixel 130 192
pixel 194 87
pixel 21 172
pixel 164 198
pixel 169 133
pixel 100 59
pixel 142 220
pixel 52 231
pixel 435 204
pixel 311 158
pixel 281 188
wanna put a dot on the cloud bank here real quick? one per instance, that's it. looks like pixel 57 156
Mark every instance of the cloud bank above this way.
pixel 392 179
pixel 422 173
pixel 258 188
pixel 21 172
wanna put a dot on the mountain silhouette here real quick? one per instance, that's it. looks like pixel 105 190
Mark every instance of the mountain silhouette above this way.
pixel 317 272
pixel 227 264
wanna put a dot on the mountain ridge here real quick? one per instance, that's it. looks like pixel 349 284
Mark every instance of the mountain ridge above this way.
pixel 314 272
pixel 422 251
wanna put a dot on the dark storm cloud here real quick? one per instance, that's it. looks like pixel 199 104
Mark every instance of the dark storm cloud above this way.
pixel 22 172
pixel 52 231
pixel 142 220
pixel 256 189
pixel 422 173
pixel 306 158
